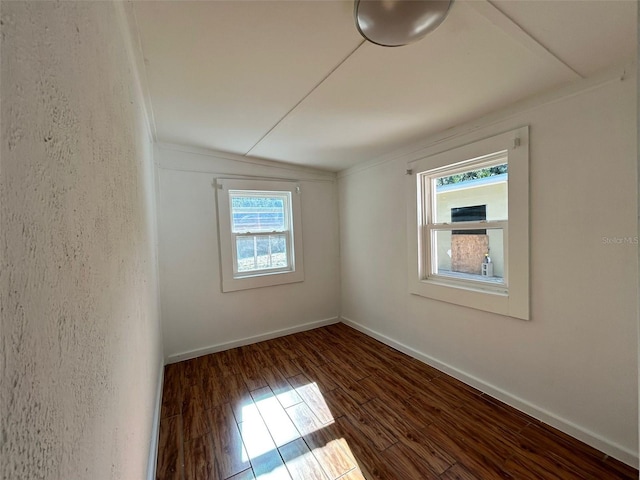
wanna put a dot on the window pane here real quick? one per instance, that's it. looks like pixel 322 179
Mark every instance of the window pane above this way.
pixel 261 252
pixel 472 196
pixel 259 212
pixel 471 256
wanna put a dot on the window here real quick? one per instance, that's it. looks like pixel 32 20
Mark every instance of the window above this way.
pixel 260 233
pixel 466 245
pixel 469 225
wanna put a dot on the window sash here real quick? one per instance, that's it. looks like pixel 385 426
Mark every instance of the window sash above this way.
pixel 263 271
pixel 428 270
pixel 482 225
pixel 484 161
pixel 286 207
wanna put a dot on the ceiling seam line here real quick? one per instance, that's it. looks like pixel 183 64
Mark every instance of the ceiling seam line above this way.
pixel 550 52
pixel 535 40
pixel 313 89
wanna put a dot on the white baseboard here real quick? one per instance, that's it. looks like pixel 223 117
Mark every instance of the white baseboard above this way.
pixel 590 438
pixel 179 357
pixel 155 428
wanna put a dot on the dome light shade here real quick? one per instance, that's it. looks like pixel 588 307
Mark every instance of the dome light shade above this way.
pixel 393 23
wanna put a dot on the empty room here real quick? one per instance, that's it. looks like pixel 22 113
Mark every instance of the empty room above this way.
pixel 319 240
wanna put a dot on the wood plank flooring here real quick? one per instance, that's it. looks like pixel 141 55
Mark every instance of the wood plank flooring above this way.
pixel 332 403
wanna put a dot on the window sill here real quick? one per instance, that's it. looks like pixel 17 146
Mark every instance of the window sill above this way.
pixel 498 288
pixel 261 280
pixel 488 300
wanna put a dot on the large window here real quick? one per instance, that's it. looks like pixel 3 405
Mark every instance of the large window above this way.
pixel 469 226
pixel 260 233
pixel 466 216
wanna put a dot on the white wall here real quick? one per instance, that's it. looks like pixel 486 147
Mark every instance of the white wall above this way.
pixel 197 317
pixel 80 344
pixel 575 363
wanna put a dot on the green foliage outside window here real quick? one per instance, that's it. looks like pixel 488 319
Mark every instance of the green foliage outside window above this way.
pixel 472 175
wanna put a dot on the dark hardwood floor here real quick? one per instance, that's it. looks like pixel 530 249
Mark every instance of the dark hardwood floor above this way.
pixel 334 403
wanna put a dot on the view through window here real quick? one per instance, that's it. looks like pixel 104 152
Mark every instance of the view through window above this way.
pixel 261 229
pixel 462 203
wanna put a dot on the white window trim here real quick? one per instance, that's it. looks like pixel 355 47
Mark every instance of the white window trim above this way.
pixel 232 282
pixel 512 301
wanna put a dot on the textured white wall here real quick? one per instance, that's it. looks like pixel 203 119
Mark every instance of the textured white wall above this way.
pixel 576 359
pixel 196 316
pixel 80 348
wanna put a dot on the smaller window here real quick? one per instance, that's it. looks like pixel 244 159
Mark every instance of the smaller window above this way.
pixel 260 227
pixel 260 233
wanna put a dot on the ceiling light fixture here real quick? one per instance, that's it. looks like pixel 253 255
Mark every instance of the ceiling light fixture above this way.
pixel 393 23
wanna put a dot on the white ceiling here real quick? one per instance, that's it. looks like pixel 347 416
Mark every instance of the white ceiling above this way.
pixel 293 80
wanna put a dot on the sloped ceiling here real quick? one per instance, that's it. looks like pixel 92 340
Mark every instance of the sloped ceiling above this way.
pixel 293 81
